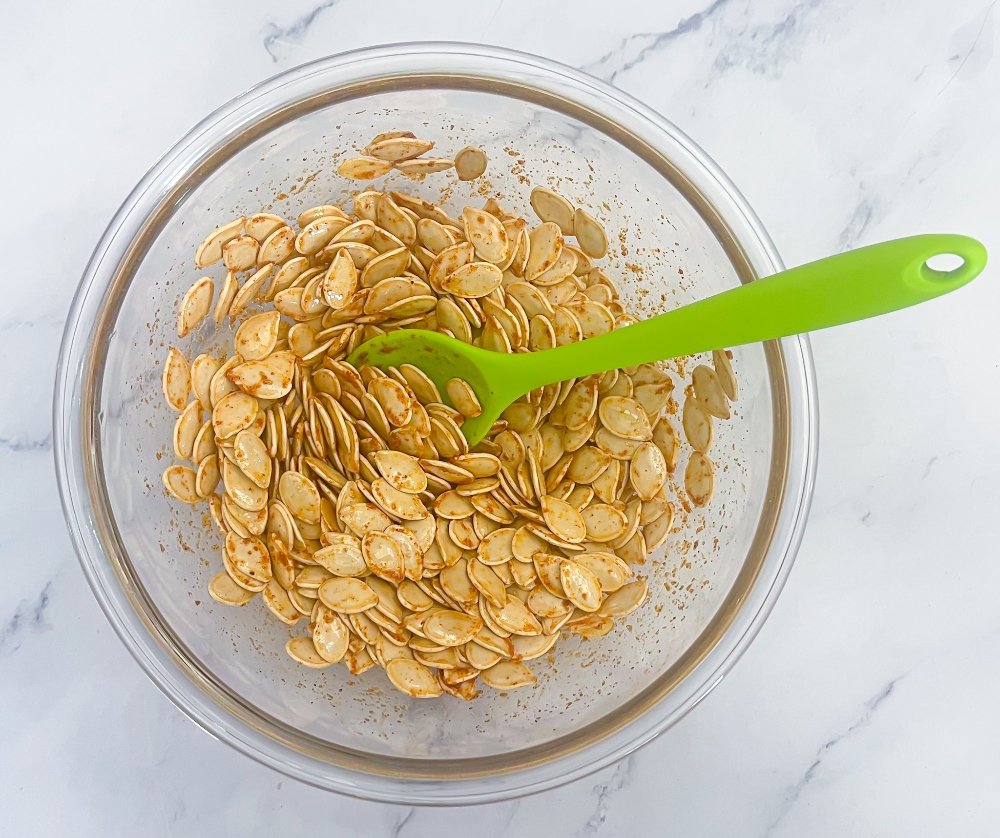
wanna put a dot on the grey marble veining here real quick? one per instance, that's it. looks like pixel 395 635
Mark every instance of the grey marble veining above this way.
pixel 867 706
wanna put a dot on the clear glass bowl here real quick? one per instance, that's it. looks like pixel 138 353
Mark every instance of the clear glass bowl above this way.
pixel 687 234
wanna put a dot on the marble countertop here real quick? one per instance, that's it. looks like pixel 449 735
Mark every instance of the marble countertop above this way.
pixel 867 705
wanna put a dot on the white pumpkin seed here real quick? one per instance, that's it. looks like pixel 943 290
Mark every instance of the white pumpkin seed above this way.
pixel 195 306
pixel 565 521
pixel 551 206
pixel 413 678
pixel 303 650
pixel 625 418
pixel 604 522
pixel 277 247
pixel 545 245
pixel 486 233
pixel 724 370
pixel 464 398
pixel 581 585
pixel 708 391
pixel 330 635
pixel 203 368
pixel 475 279
pixel 347 595
pixel 240 253
pixel 186 429
pixel 699 478
pixel 269 378
pixel 226 296
pixel 419 169
pixel 648 470
pixel 509 675
pixel 626 599
pixel 364 168
pixel 401 471
pixel 396 149
pixel 250 291
pixel 176 379
pixel 697 425
pixel 181 483
pixel 233 413
pixel 383 556
pixel 590 234
pixel 470 163
pixel 225 591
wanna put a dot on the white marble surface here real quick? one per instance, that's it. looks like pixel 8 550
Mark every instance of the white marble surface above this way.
pixel 869 703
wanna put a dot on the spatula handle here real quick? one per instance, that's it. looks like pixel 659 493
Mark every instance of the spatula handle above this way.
pixel 840 289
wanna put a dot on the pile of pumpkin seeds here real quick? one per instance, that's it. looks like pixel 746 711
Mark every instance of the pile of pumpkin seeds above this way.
pixel 349 498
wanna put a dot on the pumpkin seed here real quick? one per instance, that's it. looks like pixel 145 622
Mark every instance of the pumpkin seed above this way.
pixel 398 504
pixel 419 169
pixel 249 556
pixel 545 245
pixel 203 368
pixel 364 168
pixel 195 306
pixel 340 280
pixel 648 470
pixel 233 413
pixel 564 521
pixel 401 471
pixel 515 617
pixel 330 635
pixel 303 650
pixel 396 149
pixel 551 206
pixel 300 496
pixel 470 163
pixel 181 483
pixel 604 522
pixel 269 378
pixel 509 675
pixel 277 247
pixel 464 398
pixel 699 478
pixel 186 429
pixel 708 391
pixel 624 417
pixel 486 234
pixel 347 595
pixel 497 547
pixel 240 253
pixel 724 370
pixel 252 457
pixel 590 234
pixel 226 592
pixel 474 279
pixel 413 678
pixel 451 628
pixel 697 425
pixel 581 585
pixel 626 599
pixel 176 379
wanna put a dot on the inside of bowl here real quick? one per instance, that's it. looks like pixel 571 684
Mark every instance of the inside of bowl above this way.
pixel 664 254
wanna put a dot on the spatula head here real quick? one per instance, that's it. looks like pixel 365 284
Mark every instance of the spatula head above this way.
pixel 492 375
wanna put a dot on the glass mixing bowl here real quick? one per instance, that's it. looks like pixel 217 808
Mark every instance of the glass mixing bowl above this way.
pixel 686 233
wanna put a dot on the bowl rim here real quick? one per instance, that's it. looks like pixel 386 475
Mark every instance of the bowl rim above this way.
pixel 69 453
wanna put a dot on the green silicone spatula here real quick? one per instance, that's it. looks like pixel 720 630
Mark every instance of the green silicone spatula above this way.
pixel 839 289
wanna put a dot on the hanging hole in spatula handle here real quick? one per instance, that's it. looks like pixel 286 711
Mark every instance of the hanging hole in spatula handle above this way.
pixel 948 262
